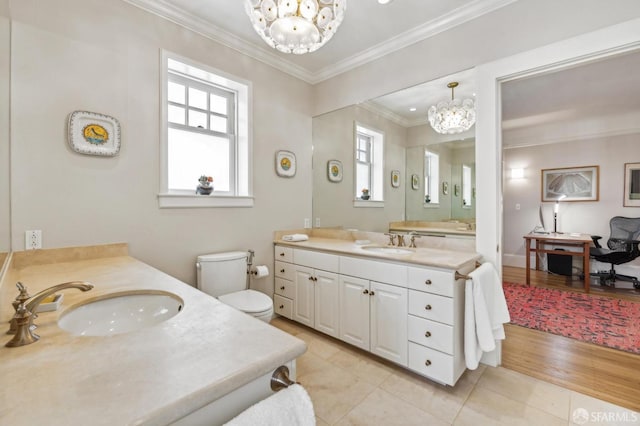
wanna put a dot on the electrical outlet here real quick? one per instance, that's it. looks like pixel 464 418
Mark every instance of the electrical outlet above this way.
pixel 307 223
pixel 33 240
pixel 517 206
pixel 317 222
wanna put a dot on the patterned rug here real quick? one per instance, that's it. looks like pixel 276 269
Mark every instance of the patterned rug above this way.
pixel 594 319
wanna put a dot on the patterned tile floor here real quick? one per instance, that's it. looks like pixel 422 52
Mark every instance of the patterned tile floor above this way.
pixel 351 387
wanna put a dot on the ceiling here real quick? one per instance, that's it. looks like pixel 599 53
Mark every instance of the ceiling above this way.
pixel 369 30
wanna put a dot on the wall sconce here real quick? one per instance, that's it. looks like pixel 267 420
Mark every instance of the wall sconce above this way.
pixel 517 173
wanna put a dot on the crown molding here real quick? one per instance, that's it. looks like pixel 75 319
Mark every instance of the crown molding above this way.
pixel 445 22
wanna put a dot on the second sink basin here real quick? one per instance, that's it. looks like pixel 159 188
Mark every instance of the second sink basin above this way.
pixel 121 313
pixel 387 250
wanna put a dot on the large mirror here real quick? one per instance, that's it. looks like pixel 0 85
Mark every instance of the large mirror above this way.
pixel 5 240
pixel 437 172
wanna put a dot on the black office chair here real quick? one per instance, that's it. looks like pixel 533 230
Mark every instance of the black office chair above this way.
pixel 623 247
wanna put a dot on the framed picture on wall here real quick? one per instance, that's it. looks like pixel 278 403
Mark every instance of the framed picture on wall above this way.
pixel 415 181
pixel 395 178
pixel 570 184
pixel 285 164
pixel 631 185
pixel 334 170
pixel 445 188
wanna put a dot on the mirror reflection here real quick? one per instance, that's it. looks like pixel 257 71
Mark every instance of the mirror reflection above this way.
pixel 423 181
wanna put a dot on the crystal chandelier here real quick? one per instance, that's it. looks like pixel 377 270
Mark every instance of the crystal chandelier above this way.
pixel 296 26
pixel 453 116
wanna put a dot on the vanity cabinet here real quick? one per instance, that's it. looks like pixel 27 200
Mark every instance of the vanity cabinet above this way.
pixel 409 314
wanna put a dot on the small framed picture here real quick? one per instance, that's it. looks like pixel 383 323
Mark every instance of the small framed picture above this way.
pixel 334 170
pixel 285 164
pixel 92 133
pixel 631 185
pixel 415 181
pixel 395 178
pixel 445 188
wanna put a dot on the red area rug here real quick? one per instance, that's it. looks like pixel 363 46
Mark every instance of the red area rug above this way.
pixel 594 319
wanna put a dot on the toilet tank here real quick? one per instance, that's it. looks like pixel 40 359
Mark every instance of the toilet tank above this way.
pixel 222 273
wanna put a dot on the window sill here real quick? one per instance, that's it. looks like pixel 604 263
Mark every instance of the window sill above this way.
pixel 431 205
pixel 177 201
pixel 368 203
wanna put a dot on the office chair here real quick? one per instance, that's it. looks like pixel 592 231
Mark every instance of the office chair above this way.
pixel 623 247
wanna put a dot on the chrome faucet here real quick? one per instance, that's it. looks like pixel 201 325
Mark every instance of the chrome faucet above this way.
pixel 22 321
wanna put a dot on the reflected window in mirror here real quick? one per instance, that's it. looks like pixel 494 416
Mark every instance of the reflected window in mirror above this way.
pixel 466 186
pixel 369 150
pixel 431 177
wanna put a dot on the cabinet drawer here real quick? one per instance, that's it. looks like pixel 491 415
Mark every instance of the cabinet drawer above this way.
pixel 431 363
pixel 374 270
pixel 317 260
pixel 431 280
pixel 431 306
pixel 284 270
pixel 431 334
pixel 285 288
pixel 283 306
pixel 284 254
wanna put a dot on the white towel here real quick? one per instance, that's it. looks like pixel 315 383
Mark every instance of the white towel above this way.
pixel 295 237
pixel 485 312
pixel 290 406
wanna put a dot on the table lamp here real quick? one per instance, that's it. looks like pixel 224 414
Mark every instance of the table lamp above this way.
pixel 555 213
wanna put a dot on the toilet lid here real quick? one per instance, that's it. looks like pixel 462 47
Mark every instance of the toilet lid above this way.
pixel 249 301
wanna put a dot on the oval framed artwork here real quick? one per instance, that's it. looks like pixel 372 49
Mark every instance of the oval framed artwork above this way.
pixel 334 171
pixel 285 164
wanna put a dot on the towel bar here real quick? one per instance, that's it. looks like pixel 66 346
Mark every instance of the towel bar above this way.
pixel 280 379
pixel 459 276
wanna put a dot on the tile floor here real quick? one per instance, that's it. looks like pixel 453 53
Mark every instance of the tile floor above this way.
pixel 351 387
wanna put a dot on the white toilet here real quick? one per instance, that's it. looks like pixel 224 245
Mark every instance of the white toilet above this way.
pixel 224 275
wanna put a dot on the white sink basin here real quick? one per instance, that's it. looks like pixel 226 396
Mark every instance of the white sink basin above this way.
pixel 121 313
pixel 387 250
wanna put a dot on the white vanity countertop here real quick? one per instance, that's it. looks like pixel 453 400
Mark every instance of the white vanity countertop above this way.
pixel 151 376
pixel 424 256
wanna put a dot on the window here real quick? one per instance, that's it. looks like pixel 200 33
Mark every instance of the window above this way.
pixel 431 177
pixel 466 186
pixel 369 167
pixel 205 131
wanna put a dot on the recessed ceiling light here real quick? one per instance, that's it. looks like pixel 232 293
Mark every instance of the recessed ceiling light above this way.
pixel 412 109
pixel 384 1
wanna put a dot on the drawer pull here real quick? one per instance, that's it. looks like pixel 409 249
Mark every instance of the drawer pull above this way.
pixel 365 291
pixel 427 363
pixel 282 270
pixel 281 306
pixel 427 334
pixel 282 288
pixel 281 254
pixel 428 307
pixel 372 293
pixel 428 282
pixel 310 278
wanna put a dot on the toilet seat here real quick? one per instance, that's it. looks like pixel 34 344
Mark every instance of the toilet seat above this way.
pixel 248 301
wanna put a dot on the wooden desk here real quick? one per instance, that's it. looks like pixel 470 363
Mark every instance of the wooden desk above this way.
pixel 564 240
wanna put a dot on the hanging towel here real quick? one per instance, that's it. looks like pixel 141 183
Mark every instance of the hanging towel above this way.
pixel 295 237
pixel 485 312
pixel 290 406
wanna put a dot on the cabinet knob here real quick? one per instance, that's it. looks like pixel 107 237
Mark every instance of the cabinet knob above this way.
pixel 428 307
pixel 372 293
pixel 281 306
pixel 282 288
pixel 428 282
pixel 427 363
pixel 282 270
pixel 310 278
pixel 281 254
pixel 427 334
pixel 365 291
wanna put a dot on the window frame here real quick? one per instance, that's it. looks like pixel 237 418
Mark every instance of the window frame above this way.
pixel 376 172
pixel 198 74
pixel 431 183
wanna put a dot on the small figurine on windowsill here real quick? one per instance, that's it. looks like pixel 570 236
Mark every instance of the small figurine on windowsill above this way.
pixel 365 194
pixel 204 187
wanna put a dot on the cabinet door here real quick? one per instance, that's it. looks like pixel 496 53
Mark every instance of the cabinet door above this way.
pixel 354 311
pixel 327 313
pixel 303 304
pixel 389 322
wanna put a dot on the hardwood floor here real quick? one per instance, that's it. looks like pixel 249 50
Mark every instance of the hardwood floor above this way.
pixel 598 371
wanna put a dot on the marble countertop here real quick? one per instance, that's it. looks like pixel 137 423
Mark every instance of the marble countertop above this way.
pixel 443 258
pixel 151 376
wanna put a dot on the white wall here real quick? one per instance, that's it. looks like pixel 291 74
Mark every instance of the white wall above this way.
pixel 104 57
pixel 609 154
pixel 333 135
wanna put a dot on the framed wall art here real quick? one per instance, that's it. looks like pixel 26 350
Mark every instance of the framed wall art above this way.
pixel 285 164
pixel 92 133
pixel 334 171
pixel 445 188
pixel 631 185
pixel 574 183
pixel 415 181
pixel 395 178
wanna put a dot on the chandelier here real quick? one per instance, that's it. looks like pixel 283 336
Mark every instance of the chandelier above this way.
pixel 296 26
pixel 454 116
